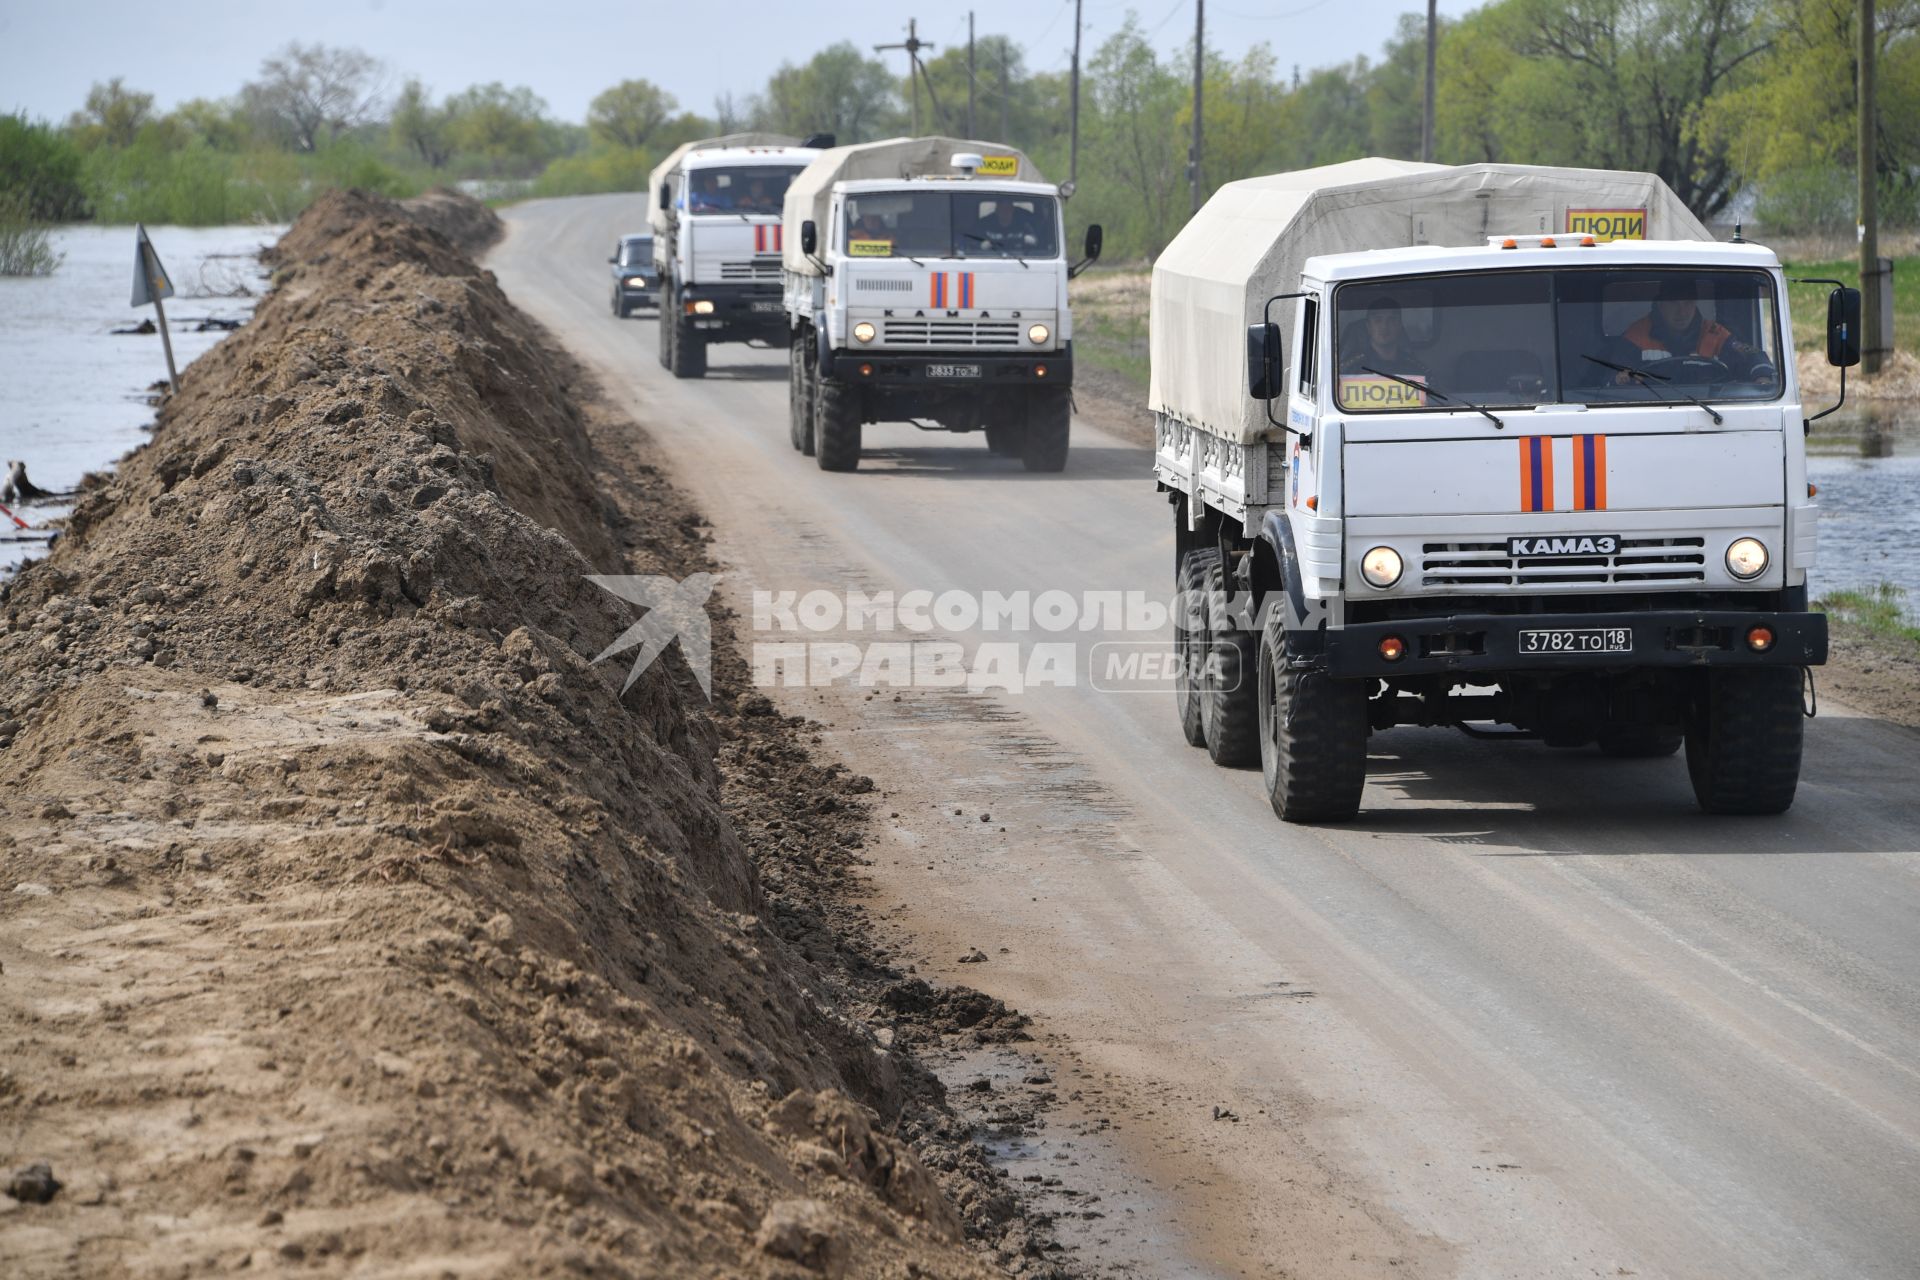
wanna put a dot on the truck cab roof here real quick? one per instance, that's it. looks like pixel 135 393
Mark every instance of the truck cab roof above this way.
pixel 947 183
pixel 735 157
pixel 1568 252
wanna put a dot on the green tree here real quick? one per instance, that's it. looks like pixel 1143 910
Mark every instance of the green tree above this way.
pixel 839 91
pixel 630 113
pixel 40 169
pixel 420 127
pixel 502 131
pixel 308 95
pixel 1129 137
pixel 112 116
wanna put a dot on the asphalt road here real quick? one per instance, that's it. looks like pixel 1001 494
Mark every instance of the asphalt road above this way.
pixel 1531 1015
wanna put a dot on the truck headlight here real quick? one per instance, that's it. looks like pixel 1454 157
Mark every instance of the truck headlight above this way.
pixel 634 282
pixel 704 307
pixel 1038 334
pixel 864 331
pixel 1381 567
pixel 1747 558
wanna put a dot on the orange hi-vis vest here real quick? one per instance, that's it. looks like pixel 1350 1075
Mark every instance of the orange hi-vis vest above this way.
pixel 1712 337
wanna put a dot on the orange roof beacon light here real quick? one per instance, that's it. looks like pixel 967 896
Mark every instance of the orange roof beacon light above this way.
pixel 1548 242
pixel 1587 242
pixel 1509 243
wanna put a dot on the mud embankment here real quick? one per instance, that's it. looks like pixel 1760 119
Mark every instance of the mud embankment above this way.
pixel 353 920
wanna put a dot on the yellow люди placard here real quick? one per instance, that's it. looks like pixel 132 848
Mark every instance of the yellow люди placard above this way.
pixel 1364 391
pixel 869 248
pixel 999 166
pixel 1608 224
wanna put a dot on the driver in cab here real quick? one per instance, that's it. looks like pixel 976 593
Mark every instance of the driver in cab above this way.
pixel 1677 329
pixel 1380 342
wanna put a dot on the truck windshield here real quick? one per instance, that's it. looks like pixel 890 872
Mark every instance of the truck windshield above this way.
pixel 758 188
pixel 951 224
pixel 1511 339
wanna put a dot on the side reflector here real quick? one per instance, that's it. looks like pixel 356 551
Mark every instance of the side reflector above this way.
pixel 1813 491
pixel 1759 639
pixel 1313 503
pixel 1392 648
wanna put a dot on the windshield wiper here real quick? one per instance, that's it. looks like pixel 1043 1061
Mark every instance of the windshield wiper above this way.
pixel 1439 395
pixel 995 244
pixel 1646 379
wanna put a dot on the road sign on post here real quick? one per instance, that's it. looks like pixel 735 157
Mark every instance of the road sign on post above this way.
pixel 150 285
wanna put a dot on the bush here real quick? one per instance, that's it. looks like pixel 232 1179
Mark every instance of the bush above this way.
pixel 40 166
pixel 24 247
pixel 604 168
pixel 1822 201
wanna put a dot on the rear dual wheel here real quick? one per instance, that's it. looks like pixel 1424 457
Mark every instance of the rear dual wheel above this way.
pixel 800 392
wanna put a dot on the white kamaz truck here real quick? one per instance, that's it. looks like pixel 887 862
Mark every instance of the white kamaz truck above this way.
pixel 1485 446
pixel 716 243
pixel 926 282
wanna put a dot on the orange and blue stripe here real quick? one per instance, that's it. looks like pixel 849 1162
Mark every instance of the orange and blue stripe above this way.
pixel 766 239
pixel 1589 473
pixel 1536 473
pixel 942 295
pixel 938 289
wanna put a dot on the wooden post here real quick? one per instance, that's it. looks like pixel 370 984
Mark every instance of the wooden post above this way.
pixel 1199 83
pixel 1426 116
pixel 1871 281
pixel 970 131
pixel 1073 107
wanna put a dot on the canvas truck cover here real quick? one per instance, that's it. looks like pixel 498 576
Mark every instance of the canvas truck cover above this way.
pixel 656 216
pixel 811 192
pixel 1250 240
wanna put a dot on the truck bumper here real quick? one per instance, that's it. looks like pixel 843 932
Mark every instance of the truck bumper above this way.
pixel 1495 643
pixel 931 370
pixel 741 312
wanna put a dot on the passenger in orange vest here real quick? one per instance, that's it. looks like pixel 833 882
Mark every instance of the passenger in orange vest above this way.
pixel 1675 328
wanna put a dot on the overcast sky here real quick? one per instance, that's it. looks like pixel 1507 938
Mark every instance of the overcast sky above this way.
pixel 569 50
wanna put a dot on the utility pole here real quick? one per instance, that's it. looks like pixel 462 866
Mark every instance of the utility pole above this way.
pixel 1871 281
pixel 1426 119
pixel 1073 111
pixel 970 132
pixel 914 44
pixel 1199 80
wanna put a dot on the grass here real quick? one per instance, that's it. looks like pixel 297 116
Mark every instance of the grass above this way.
pixel 1110 322
pixel 1809 301
pixel 1880 612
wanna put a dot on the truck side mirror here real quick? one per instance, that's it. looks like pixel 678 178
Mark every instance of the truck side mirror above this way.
pixel 1094 240
pixel 1843 328
pixel 809 237
pixel 1263 360
pixel 666 195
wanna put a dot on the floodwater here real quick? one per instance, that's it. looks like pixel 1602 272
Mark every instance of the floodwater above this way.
pixel 74 396
pixel 1866 464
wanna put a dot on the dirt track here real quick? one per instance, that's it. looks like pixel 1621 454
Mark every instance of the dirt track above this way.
pixel 352 920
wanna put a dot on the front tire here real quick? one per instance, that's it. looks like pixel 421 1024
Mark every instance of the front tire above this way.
pixel 1744 738
pixel 621 307
pixel 1313 736
pixel 836 425
pixel 689 354
pixel 1049 419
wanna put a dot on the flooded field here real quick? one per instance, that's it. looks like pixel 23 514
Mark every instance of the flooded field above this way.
pixel 1867 466
pixel 74 396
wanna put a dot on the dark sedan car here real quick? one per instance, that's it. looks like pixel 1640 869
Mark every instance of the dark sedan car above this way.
pixel 634 280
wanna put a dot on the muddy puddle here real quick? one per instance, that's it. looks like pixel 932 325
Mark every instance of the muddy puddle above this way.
pixel 1866 462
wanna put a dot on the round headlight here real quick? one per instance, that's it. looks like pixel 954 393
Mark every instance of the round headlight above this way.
pixel 1381 567
pixel 704 307
pixel 864 331
pixel 1746 558
pixel 1038 334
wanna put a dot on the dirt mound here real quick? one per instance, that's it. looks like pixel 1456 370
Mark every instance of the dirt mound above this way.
pixel 351 917
pixel 469 225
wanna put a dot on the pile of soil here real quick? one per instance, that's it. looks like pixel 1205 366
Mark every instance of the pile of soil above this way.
pixel 467 224
pixel 353 919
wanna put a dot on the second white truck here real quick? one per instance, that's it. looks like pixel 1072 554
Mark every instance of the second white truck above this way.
pixel 1515 450
pixel 925 281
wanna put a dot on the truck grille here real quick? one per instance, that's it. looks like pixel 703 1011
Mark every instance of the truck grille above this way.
pixel 1487 564
pixel 765 269
pixel 951 333
pixel 882 284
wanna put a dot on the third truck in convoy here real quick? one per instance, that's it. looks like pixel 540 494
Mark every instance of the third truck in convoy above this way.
pixel 1485 446
pixel 925 281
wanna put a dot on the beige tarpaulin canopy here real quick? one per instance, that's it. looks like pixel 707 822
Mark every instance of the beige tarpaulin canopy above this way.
pixel 812 191
pixel 1249 241
pixel 656 216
